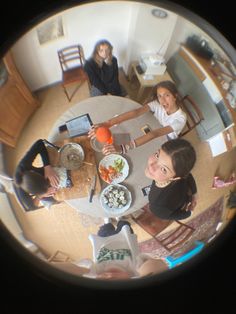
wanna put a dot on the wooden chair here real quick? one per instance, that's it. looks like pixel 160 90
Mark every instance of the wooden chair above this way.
pixel 72 61
pixel 154 226
pixel 194 114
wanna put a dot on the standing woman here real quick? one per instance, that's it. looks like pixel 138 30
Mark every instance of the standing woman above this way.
pixel 173 191
pixel 102 70
pixel 165 108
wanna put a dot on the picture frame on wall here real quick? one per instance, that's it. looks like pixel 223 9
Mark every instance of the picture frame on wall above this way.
pixel 50 30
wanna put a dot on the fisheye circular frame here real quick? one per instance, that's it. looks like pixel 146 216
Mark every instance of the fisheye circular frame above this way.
pixel 60 276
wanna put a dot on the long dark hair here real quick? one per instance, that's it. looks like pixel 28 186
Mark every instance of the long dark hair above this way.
pixel 182 154
pixel 95 54
pixel 33 183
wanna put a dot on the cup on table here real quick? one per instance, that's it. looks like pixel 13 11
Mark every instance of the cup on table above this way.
pixel 103 136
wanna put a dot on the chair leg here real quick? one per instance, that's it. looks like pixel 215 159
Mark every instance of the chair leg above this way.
pixel 74 91
pixel 65 91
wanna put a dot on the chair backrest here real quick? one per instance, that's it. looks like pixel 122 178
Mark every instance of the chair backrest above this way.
pixel 151 223
pixel 194 114
pixel 71 57
pixel 154 226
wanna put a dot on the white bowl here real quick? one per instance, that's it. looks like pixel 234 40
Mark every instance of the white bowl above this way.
pixel 116 210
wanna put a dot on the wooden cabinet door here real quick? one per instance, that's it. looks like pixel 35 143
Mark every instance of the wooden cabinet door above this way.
pixel 16 104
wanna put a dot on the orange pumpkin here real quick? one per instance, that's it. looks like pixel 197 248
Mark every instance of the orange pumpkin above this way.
pixel 103 135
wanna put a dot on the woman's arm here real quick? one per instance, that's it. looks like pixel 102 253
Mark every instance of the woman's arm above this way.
pixel 128 115
pixel 51 175
pixel 38 148
pixel 119 119
pixel 26 162
pixel 110 149
pixel 153 134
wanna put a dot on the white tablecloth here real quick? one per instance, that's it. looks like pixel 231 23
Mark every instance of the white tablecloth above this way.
pixel 100 109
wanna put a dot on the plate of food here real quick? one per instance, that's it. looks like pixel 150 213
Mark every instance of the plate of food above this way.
pixel 113 169
pixel 115 199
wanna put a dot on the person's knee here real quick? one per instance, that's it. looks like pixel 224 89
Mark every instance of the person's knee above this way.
pixel 123 223
pixel 106 230
pixel 94 91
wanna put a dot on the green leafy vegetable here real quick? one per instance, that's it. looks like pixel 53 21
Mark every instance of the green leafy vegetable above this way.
pixel 119 164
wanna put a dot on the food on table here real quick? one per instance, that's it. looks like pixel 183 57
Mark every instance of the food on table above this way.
pixel 103 135
pixel 111 172
pixel 115 197
pixel 119 164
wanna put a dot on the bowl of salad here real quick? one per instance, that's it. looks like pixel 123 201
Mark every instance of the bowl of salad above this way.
pixel 113 169
pixel 115 199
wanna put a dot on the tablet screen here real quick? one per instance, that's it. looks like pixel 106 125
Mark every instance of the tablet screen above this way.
pixel 79 125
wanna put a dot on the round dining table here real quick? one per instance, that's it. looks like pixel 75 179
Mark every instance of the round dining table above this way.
pixel 100 109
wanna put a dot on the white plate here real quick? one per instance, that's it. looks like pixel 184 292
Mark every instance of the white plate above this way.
pixel 115 210
pixel 109 161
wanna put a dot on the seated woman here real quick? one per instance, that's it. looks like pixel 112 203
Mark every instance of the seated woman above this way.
pixel 166 110
pixel 173 191
pixel 41 182
pixel 102 70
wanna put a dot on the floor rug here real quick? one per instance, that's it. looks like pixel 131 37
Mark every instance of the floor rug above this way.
pixel 205 227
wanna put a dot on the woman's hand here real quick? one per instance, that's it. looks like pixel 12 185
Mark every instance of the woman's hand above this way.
pixel 51 175
pixel 111 149
pixel 92 131
pixel 50 192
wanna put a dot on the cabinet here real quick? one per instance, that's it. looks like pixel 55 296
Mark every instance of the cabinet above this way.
pixel 191 77
pixel 17 103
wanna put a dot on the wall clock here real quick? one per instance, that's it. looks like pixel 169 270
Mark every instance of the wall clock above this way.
pixel 159 13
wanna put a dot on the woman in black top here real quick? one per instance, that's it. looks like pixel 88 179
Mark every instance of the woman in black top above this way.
pixel 173 191
pixel 102 70
pixel 36 181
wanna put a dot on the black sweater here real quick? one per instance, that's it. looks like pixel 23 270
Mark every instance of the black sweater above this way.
pixel 105 78
pixel 26 162
pixel 166 203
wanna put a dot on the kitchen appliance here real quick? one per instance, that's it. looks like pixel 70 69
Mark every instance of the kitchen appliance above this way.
pixel 153 64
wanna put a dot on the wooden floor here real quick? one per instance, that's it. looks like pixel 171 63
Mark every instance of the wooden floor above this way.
pixel 62 227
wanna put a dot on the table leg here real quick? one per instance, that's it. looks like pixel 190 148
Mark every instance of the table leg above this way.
pixel 140 92
pixel 131 73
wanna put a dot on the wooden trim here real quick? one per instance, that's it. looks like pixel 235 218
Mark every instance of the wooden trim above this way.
pixel 193 65
pixel 228 141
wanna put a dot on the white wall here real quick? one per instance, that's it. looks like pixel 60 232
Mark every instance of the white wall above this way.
pixel 129 26
pixel 149 34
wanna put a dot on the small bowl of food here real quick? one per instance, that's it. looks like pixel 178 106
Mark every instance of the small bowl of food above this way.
pixel 113 169
pixel 115 199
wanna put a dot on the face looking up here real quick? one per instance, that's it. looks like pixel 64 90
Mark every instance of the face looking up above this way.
pixel 103 51
pixel 160 167
pixel 167 100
